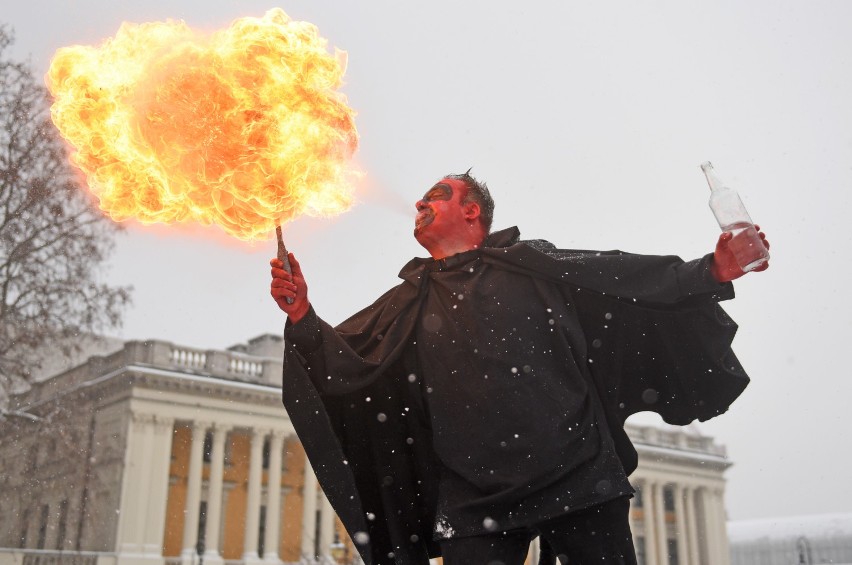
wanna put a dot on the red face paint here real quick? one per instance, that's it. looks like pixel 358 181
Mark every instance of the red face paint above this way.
pixel 441 202
pixel 444 225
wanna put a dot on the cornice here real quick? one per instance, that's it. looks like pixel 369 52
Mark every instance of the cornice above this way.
pixel 210 387
pixel 118 385
pixel 650 454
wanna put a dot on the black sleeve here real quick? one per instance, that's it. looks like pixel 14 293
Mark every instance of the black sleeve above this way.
pixel 327 355
pixel 694 278
pixel 306 334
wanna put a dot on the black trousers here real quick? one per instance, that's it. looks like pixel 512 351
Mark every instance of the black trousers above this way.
pixel 598 535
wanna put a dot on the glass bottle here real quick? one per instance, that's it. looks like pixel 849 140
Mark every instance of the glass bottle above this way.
pixel 746 245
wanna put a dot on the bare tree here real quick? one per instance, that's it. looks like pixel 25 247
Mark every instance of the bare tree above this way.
pixel 53 241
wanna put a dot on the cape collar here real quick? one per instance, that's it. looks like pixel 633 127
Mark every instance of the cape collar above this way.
pixel 503 238
pixel 413 270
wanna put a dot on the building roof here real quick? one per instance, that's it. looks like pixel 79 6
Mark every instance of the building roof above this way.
pixel 792 527
pixel 54 363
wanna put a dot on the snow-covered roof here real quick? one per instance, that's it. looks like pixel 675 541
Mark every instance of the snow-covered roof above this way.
pixel 54 363
pixel 792 527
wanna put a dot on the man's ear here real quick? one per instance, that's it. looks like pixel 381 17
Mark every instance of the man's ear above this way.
pixel 471 211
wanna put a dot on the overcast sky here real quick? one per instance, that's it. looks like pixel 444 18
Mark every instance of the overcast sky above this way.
pixel 589 121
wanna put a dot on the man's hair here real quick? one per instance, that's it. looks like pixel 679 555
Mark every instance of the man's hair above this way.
pixel 477 192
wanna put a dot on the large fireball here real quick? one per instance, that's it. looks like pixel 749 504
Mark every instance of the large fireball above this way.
pixel 242 128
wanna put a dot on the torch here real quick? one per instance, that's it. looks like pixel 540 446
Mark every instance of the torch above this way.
pixel 283 256
pixel 243 128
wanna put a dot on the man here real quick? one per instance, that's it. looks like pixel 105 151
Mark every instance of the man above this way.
pixel 481 402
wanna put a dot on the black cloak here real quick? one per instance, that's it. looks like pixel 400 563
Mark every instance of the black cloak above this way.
pixel 657 340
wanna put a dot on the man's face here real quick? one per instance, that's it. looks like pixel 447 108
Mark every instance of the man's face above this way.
pixel 440 212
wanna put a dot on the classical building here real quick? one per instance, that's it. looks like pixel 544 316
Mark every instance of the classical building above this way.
pixel 678 513
pixel 804 540
pixel 157 454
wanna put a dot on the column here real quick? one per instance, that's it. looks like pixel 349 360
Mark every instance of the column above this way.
pixel 253 496
pixel 140 435
pixel 214 499
pixel 326 527
pixel 709 520
pixel 141 519
pixel 680 522
pixel 309 512
pixel 193 493
pixel 723 524
pixel 692 527
pixel 650 527
pixel 158 489
pixel 660 523
pixel 716 522
pixel 273 498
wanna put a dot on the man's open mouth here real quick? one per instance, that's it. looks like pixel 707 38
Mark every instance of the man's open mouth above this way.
pixel 423 219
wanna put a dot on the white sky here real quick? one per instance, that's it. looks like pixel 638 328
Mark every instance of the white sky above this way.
pixel 588 121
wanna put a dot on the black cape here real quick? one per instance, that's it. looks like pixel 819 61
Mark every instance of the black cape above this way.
pixel 657 340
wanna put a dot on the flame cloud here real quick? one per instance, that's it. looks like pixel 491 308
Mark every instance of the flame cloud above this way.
pixel 243 128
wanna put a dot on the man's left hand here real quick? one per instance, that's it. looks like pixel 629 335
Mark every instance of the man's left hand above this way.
pixel 724 267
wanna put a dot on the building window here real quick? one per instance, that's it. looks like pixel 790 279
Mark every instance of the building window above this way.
pixel 637 498
pixel 261 532
pixel 25 523
pixel 202 528
pixel 803 550
pixel 317 534
pixel 266 448
pixel 228 445
pixel 42 527
pixel 63 519
pixel 672 548
pixel 208 446
pixel 668 499
pixel 640 550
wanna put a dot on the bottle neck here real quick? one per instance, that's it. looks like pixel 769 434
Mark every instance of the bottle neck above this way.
pixel 712 180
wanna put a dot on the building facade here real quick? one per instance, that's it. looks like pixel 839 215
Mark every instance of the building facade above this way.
pixel 678 512
pixel 157 454
pixel 804 540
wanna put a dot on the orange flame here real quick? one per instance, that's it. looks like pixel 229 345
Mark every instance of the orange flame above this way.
pixel 243 128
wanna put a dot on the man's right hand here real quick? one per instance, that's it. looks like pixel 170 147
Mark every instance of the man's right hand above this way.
pixel 724 267
pixel 284 286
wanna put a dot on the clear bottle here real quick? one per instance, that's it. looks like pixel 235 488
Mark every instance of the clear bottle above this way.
pixel 732 216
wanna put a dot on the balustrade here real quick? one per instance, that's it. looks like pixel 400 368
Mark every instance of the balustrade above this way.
pixel 189 358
